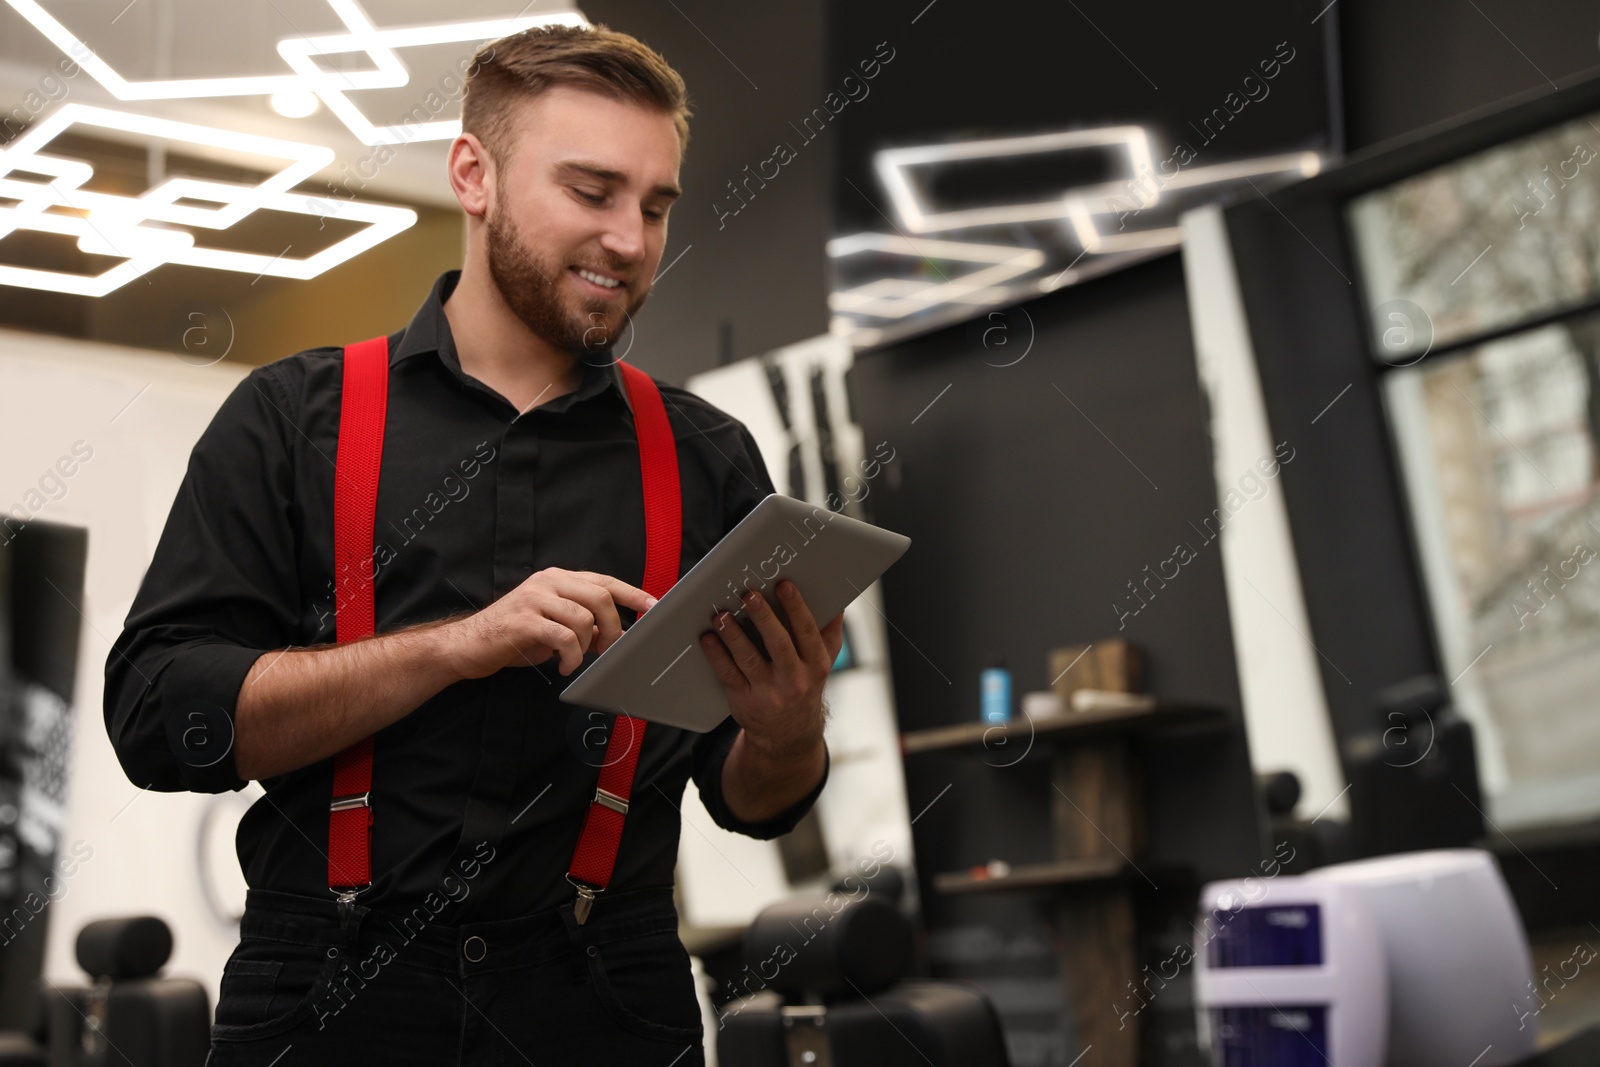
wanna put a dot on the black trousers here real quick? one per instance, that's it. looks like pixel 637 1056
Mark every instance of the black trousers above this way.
pixel 302 990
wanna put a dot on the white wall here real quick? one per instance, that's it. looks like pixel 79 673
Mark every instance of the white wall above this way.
pixel 140 412
pixel 1285 710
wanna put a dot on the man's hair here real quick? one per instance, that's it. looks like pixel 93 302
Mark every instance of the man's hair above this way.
pixel 596 58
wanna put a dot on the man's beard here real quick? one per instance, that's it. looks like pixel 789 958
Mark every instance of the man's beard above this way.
pixel 530 287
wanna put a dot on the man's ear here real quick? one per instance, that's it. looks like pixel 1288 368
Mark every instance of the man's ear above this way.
pixel 470 170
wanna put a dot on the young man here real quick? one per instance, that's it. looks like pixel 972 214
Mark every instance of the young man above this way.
pixel 509 527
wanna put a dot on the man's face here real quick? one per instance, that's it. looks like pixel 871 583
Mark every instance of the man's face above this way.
pixel 585 187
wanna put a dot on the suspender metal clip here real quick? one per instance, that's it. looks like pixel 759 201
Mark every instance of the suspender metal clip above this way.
pixel 347 903
pixel 585 901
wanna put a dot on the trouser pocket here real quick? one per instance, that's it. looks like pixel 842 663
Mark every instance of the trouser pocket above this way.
pixel 268 987
pixel 645 983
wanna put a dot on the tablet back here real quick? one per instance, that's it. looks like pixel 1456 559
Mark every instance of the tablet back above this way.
pixel 657 670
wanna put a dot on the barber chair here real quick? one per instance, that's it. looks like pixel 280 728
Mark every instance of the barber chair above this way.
pixel 24 1044
pixel 1410 772
pixel 822 987
pixel 131 1015
pixel 18 1049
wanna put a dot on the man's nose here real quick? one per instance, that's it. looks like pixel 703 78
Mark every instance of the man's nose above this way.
pixel 624 237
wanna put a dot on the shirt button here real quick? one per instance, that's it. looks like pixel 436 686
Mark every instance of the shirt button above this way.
pixel 592 950
pixel 475 948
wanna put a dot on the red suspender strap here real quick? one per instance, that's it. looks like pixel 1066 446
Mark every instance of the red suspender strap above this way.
pixel 355 500
pixel 596 853
pixel 658 462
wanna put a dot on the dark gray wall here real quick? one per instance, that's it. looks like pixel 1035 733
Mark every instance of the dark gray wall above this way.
pixel 1034 494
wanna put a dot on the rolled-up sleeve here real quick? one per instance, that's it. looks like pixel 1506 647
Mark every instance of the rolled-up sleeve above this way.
pixel 220 592
pixel 747 484
pixel 710 753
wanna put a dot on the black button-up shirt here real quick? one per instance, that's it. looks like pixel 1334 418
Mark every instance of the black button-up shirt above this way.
pixel 473 498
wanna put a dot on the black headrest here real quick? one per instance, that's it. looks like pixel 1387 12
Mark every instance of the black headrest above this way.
pixel 1281 790
pixel 119 949
pixel 831 945
pixel 887 882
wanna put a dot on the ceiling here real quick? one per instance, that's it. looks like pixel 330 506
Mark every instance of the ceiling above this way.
pixel 147 40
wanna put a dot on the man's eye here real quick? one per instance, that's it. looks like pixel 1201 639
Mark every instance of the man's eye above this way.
pixel 591 197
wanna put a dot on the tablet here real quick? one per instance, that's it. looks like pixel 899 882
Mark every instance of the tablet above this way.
pixel 657 670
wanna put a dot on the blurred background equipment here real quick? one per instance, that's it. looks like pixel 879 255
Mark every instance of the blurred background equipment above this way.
pixel 41 589
pixel 1290 972
pixel 1408 960
pixel 1414 775
pixel 1460 981
pixel 130 1014
pixel 824 986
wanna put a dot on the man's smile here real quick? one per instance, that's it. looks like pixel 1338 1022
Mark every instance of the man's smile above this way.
pixel 598 282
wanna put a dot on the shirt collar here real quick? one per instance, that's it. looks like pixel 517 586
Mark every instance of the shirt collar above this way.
pixel 429 331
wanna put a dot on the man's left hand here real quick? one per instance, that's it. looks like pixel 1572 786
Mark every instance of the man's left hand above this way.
pixel 778 701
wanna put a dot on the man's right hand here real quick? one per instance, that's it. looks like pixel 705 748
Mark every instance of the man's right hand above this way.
pixel 298 706
pixel 554 613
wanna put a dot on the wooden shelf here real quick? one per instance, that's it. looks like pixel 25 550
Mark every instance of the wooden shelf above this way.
pixel 1066 727
pixel 1097 821
pixel 1033 876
